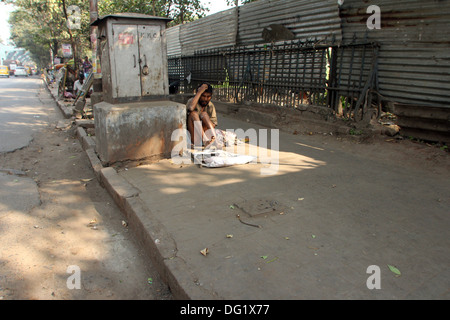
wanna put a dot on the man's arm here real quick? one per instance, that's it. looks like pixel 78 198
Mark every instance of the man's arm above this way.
pixel 213 116
pixel 195 100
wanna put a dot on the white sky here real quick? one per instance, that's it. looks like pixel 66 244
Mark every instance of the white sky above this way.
pixel 215 5
pixel 4 26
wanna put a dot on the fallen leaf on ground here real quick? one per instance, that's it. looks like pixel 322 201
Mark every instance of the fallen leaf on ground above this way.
pixel 395 270
pixel 274 259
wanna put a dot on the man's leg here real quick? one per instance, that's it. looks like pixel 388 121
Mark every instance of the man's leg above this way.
pixel 201 129
pixel 195 128
pixel 208 126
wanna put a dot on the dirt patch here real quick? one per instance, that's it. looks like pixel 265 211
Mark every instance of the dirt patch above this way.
pixel 76 224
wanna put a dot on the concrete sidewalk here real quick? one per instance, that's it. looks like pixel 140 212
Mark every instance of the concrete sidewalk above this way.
pixel 325 216
pixel 329 211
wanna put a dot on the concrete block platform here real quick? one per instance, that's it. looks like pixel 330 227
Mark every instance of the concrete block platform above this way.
pixel 136 130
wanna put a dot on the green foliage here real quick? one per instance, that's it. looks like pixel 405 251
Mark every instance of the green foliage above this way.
pixel 181 11
pixel 239 2
pixel 355 132
pixel 40 26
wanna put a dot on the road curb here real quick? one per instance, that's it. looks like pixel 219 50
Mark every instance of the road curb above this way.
pixel 66 111
pixel 162 250
pixel 152 236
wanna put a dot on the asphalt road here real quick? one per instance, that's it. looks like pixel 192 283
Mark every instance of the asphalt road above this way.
pixel 21 115
pixel 62 236
pixel 21 112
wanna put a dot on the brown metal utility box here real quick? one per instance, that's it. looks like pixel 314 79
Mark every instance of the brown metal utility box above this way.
pixel 136 119
pixel 133 57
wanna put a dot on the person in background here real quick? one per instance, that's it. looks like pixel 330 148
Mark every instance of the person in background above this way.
pixel 87 66
pixel 78 85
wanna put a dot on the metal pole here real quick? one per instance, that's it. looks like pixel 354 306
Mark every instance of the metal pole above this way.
pixel 93 10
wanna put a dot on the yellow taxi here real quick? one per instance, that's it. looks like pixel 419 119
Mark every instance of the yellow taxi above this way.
pixel 4 71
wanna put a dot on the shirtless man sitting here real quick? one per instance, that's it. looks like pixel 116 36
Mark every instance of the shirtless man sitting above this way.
pixel 202 117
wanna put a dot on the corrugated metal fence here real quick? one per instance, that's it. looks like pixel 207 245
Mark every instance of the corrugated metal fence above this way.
pixel 263 51
pixel 414 39
pixel 305 19
pixel 263 21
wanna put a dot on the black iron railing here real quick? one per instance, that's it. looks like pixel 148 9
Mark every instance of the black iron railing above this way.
pixel 290 74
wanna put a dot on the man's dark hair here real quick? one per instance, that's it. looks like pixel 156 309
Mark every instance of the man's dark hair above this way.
pixel 210 88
